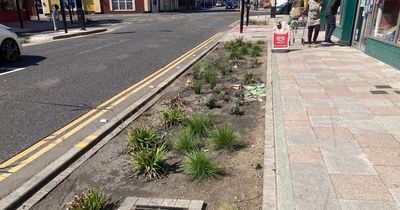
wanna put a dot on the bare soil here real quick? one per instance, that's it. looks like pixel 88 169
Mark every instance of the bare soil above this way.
pixel 110 169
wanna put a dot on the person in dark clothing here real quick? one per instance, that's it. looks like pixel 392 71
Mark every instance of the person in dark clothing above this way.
pixel 331 12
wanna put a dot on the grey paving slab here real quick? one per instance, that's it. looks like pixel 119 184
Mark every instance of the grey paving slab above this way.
pixel 367 205
pixel 327 121
pixel 345 157
pixel 396 195
pixel 301 138
pixel 366 126
pixel 312 187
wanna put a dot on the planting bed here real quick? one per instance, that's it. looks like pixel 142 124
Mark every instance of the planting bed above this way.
pixel 241 181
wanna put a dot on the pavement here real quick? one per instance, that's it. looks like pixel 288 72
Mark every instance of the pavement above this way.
pixel 332 141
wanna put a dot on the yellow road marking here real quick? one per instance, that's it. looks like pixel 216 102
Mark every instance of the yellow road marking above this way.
pixel 81 145
pixel 151 78
pixel 91 137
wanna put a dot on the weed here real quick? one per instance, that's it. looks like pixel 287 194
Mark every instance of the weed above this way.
pixel 200 167
pixel 150 162
pixel 235 55
pixel 197 86
pixel 221 66
pixel 228 206
pixel 213 81
pixel 207 75
pixel 199 124
pixel 172 116
pixel 248 78
pixel 210 101
pixel 219 88
pixel 142 138
pixel 185 142
pixel 234 44
pixel 244 50
pixel 196 72
pixel 93 199
pixel 260 42
pixel 224 137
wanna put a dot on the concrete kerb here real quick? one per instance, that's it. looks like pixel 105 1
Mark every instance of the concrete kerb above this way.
pixel 20 195
pixel 50 37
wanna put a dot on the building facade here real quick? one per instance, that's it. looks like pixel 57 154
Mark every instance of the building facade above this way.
pixel 372 26
pixel 9 13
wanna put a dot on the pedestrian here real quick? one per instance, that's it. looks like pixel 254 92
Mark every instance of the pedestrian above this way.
pixel 331 12
pixel 313 8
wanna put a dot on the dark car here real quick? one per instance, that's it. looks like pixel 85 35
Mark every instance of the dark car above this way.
pixel 284 9
pixel 231 5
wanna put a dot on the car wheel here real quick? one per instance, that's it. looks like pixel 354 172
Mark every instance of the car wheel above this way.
pixel 9 50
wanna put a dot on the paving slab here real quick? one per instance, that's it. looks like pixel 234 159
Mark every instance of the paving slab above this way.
pixel 367 205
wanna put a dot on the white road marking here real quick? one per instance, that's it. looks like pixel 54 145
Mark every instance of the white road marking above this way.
pixel 12 71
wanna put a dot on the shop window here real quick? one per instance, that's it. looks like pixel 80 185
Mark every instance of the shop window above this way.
pixel 122 4
pixel 7 5
pixel 386 20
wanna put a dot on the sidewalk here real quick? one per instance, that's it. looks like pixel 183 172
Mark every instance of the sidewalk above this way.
pixel 333 140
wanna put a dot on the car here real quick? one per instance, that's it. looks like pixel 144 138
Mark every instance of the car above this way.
pixel 10 47
pixel 284 9
pixel 231 5
pixel 219 4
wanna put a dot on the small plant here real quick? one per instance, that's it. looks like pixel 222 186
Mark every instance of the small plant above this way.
pixel 196 72
pixel 197 86
pixel 221 66
pixel 234 44
pixel 254 62
pixel 150 162
pixel 235 55
pixel 228 206
pixel 219 88
pixel 255 51
pixel 142 138
pixel 172 116
pixel 213 81
pixel 207 74
pixel 249 45
pixel 93 199
pixel 260 42
pixel 224 137
pixel 199 124
pixel 248 78
pixel 210 101
pixel 200 167
pixel 185 142
pixel 235 109
pixel 244 50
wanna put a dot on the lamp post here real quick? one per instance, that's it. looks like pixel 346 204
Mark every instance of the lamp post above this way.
pixel 19 14
pixel 273 8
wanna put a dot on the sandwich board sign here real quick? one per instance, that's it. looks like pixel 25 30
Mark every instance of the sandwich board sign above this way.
pixel 280 38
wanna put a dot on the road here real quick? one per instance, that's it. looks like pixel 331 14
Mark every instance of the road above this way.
pixel 60 81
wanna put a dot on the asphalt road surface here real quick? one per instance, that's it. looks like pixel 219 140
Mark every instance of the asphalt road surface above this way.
pixel 60 81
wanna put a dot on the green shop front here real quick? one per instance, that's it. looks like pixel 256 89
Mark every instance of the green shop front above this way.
pixel 372 26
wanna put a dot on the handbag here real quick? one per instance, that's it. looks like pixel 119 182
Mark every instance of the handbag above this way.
pixel 297 8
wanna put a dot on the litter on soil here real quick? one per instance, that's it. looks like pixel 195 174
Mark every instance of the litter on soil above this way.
pixel 254 92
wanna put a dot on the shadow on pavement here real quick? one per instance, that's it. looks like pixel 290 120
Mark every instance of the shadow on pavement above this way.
pixel 22 62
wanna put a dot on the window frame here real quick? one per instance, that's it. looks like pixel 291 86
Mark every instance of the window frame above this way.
pixel 372 32
pixel 123 10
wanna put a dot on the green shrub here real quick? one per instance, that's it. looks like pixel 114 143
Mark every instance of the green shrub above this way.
pixel 235 55
pixel 219 88
pixel 260 42
pixel 210 101
pixel 198 166
pixel 234 44
pixel 244 50
pixel 142 138
pixel 197 86
pixel 224 137
pixel 221 66
pixel 93 199
pixel 196 72
pixel 249 45
pixel 213 81
pixel 255 51
pixel 199 124
pixel 249 78
pixel 150 162
pixel 185 142
pixel 172 116
pixel 207 75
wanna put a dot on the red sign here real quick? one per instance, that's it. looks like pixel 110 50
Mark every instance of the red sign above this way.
pixel 281 40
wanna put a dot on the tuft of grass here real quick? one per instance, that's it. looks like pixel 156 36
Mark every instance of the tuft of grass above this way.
pixel 228 206
pixel 210 101
pixel 207 75
pixel 199 124
pixel 197 86
pixel 254 62
pixel 198 166
pixel 150 162
pixel 142 138
pixel 213 81
pixel 235 109
pixel 224 137
pixel 260 42
pixel 248 78
pixel 244 50
pixel 235 55
pixel 221 66
pixel 172 116
pixel 234 44
pixel 185 142
pixel 196 72
pixel 93 199
pixel 255 51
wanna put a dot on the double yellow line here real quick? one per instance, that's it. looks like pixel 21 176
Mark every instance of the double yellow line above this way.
pixel 83 121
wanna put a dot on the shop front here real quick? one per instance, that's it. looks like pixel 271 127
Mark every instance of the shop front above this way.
pixel 8 10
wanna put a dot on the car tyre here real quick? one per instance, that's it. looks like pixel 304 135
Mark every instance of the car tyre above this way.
pixel 9 50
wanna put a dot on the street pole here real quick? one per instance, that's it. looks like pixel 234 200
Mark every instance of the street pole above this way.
pixel 69 11
pixel 81 15
pixel 273 9
pixel 37 9
pixel 63 15
pixel 19 14
pixel 241 16
pixel 248 14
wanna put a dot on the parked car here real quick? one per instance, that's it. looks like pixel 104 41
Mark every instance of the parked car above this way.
pixel 231 5
pixel 10 48
pixel 284 9
pixel 219 4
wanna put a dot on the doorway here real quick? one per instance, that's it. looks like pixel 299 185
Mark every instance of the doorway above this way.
pixel 154 6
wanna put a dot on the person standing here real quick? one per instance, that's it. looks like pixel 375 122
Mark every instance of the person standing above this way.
pixel 331 12
pixel 313 8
